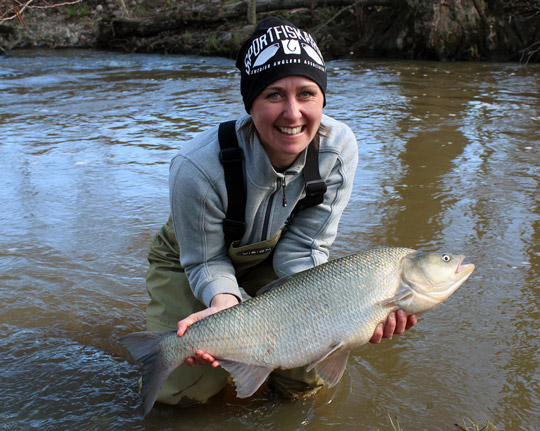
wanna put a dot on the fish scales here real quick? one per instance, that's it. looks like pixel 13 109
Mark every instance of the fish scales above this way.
pixel 295 308
pixel 312 318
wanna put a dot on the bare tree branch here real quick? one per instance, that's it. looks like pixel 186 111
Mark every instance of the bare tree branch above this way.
pixel 352 7
pixel 13 9
pixel 530 51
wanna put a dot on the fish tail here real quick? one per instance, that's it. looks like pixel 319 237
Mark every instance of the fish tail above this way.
pixel 146 348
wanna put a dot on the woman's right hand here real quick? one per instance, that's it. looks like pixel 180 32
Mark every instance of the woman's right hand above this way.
pixel 219 302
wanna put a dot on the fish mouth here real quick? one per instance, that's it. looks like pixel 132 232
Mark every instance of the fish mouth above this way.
pixel 466 268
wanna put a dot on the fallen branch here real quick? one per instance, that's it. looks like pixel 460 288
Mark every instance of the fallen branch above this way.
pixel 203 15
pixel 268 6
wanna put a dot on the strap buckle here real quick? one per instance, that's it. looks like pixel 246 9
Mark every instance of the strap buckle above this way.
pixel 233 229
pixel 231 155
pixel 315 188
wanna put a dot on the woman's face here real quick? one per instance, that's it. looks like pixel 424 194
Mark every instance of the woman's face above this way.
pixel 287 115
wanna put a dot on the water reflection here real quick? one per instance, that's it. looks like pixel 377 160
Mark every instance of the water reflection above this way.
pixel 449 158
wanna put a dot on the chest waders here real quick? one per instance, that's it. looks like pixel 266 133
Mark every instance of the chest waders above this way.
pixel 171 298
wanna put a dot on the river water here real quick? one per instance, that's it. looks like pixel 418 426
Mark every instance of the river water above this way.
pixel 449 160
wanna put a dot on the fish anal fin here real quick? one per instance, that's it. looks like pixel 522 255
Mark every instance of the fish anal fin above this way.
pixel 332 365
pixel 247 378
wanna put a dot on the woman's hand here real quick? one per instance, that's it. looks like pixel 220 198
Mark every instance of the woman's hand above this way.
pixel 396 323
pixel 219 302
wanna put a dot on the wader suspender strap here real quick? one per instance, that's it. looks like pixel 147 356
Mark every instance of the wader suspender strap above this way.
pixel 232 158
pixel 315 186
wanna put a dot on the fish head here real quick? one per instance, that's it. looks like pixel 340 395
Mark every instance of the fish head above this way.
pixel 432 277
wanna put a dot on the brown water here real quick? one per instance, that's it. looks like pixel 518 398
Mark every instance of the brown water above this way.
pixel 449 159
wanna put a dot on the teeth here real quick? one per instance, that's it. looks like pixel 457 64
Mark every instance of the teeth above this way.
pixel 290 130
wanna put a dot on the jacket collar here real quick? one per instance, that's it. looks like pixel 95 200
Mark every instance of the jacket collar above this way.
pixel 258 167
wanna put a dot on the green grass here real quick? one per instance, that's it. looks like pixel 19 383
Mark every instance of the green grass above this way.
pixel 78 11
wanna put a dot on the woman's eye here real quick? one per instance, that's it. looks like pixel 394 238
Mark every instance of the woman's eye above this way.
pixel 273 96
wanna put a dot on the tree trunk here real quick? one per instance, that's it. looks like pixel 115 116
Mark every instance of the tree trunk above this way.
pixel 252 12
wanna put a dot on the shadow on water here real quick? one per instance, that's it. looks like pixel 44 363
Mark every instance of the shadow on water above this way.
pixel 424 194
pixel 449 159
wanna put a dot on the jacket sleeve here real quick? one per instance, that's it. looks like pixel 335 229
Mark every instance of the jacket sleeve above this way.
pixel 313 230
pixel 197 210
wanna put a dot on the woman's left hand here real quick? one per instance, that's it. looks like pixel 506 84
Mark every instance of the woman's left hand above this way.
pixel 396 323
pixel 219 302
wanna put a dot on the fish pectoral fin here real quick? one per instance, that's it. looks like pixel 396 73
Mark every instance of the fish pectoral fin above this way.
pixel 400 300
pixel 332 365
pixel 247 378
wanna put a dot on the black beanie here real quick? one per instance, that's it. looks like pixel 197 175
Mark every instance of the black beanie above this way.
pixel 277 49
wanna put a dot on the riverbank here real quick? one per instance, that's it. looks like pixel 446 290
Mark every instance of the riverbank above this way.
pixel 443 30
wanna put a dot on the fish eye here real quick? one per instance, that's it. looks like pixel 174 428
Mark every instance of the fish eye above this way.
pixel 446 258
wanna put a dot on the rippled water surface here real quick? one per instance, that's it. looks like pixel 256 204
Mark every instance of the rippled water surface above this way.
pixel 449 159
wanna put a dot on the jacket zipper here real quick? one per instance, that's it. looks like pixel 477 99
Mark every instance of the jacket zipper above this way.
pixel 281 184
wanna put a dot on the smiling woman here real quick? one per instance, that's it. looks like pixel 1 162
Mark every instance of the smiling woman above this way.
pixel 291 185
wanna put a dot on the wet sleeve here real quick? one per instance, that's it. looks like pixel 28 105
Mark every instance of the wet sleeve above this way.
pixel 312 231
pixel 198 210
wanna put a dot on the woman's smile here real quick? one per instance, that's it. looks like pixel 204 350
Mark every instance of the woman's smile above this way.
pixel 290 130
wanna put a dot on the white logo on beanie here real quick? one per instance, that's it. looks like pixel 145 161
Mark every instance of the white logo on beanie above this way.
pixel 313 54
pixel 266 54
pixel 293 42
pixel 291 46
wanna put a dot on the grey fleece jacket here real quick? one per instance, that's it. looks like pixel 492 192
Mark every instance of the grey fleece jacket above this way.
pixel 198 198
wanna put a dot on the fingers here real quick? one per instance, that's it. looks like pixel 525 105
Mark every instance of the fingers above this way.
pixel 411 321
pixel 202 358
pixel 182 327
pixel 377 334
pixel 396 323
pixel 401 322
pixel 390 326
pixel 184 324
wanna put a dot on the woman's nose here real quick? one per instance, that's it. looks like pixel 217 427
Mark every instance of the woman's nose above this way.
pixel 292 109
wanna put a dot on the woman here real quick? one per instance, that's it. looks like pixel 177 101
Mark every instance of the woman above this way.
pixel 288 149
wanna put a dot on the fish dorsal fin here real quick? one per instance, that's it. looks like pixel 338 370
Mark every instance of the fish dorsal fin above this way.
pixel 247 378
pixel 332 365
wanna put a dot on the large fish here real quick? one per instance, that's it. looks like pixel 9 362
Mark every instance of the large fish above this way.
pixel 313 318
